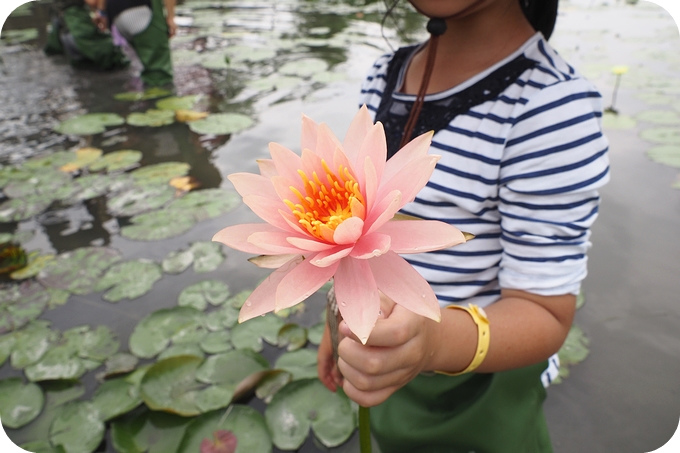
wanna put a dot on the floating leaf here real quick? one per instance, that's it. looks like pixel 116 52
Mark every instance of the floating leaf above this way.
pixel 49 184
pixel 205 204
pixel 182 349
pixel 246 423
pixel 271 383
pixel 140 198
pixel 178 261
pixel 315 333
pixel 665 154
pixel 83 158
pixel 292 336
pixel 157 225
pixel 301 364
pixel 249 334
pixel 31 343
pixel 151 118
pixel 199 295
pixel 225 316
pixel 129 280
pixel 304 67
pixel 36 262
pixel 156 331
pixel 185 116
pixel 221 124
pixel 177 103
pixel 308 404
pixel 205 256
pixel 89 124
pixel 20 304
pixel 659 116
pixel 97 344
pixel 18 209
pixel 663 135
pixel 20 403
pixel 149 93
pixel 117 161
pixel 51 161
pixel 59 362
pixel 7 344
pixel 216 342
pixel 612 121
pixel 148 431
pixel 160 173
pixel 77 428
pixel 115 397
pixel 91 186
pixel 170 386
pixel 119 363
pixel 12 257
pixel 79 270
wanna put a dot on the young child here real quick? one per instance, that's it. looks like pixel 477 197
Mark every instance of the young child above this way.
pixel 523 156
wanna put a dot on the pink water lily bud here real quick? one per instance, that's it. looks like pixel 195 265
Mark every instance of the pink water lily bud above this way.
pixel 223 442
pixel 329 213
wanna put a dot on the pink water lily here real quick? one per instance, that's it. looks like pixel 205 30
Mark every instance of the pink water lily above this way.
pixel 330 214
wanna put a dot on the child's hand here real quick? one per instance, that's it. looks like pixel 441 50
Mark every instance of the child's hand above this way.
pixel 398 349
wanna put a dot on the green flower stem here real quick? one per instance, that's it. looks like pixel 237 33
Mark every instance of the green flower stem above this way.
pixel 364 430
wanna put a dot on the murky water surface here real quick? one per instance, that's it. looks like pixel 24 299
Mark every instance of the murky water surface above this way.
pixel 625 397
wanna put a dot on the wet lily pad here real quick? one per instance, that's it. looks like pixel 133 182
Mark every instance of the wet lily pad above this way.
pixel 205 256
pixel 611 121
pixel 149 93
pixel 119 363
pixel 49 184
pixel 115 397
pixel 301 364
pixel 77 428
pixel 271 383
pixel 659 116
pixel 6 344
pixel 663 135
pixel 20 403
pixel 205 204
pixel 307 404
pixel 199 295
pixel 156 331
pixel 221 124
pixel 170 386
pixel 304 67
pixel 59 362
pixel 18 209
pixel 95 343
pixel 121 160
pixel 249 334
pixel 82 158
pixel 91 186
pixel 160 173
pixel 151 118
pixel 182 349
pixel 665 154
pixel 315 333
pixel 140 198
pixel 52 161
pixel 79 270
pixel 177 103
pixel 148 431
pixel 247 424
pixel 225 316
pixel 31 343
pixel 20 304
pixel 89 123
pixel 157 225
pixel 216 342
pixel 292 336
pixel 129 280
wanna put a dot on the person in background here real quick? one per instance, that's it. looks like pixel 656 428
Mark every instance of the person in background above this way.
pixel 147 25
pixel 74 35
pixel 523 156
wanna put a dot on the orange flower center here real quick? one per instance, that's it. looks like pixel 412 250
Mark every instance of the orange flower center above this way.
pixel 326 204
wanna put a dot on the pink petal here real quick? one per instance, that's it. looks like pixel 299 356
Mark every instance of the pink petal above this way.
pixel 271 261
pixel 263 299
pixel 310 244
pixel 383 211
pixel 374 147
pixel 309 128
pixel 330 256
pixel 274 242
pixel 236 236
pixel 349 231
pixel 267 167
pixel 370 183
pixel 399 281
pixel 326 143
pixel 302 282
pixel 286 161
pixel 251 184
pixel 358 128
pixel 416 148
pixel 357 295
pixel 416 236
pixel 371 245
pixel 268 209
pixel 410 180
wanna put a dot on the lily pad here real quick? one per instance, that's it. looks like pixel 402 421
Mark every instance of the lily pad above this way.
pixel 665 154
pixel 31 343
pixel 170 386
pixel 121 160
pixel 140 198
pixel 78 271
pixel 148 431
pixel 160 173
pixel 663 135
pixel 151 118
pixel 315 333
pixel 301 364
pixel 216 342
pixel 221 124
pixel 249 334
pixel 659 116
pixel 20 304
pixel 52 161
pixel 157 225
pixel 304 67
pixel 247 424
pixel 77 428
pixel 224 317
pixel 18 209
pixel 292 336
pixel 205 204
pixel 94 343
pixel 91 186
pixel 156 331
pixel 82 158
pixel 115 397
pixel 177 103
pixel 199 295
pixel 89 123
pixel 149 93
pixel 182 349
pixel 119 363
pixel 307 404
pixel 49 184
pixel 129 280
pixel 20 403
pixel 612 121
pixel 59 362
pixel 205 256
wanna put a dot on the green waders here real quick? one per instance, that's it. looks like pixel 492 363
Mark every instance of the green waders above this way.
pixel 481 413
pixel 152 46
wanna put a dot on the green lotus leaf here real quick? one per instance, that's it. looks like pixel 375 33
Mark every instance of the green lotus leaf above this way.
pixel 96 344
pixel 177 261
pixel 151 118
pixel 157 225
pixel 11 173
pixel 51 161
pixel 20 403
pixel 129 280
pixel 79 270
pixel 170 385
pixel 221 124
pixel 292 336
pixel 199 295
pixel 115 397
pixel 659 116
pixel 89 124
pixel 231 368
pixel 662 135
pixel 182 349
pixel 271 383
pixel 156 331
pixel 239 53
pixel 237 300
pixel 119 363
pixel 177 103
pixel 307 404
pixel 20 304
pixel 301 364
pixel 249 334
pixel 121 160
pixel 573 351
pixel 225 316
pixel 77 428
pixel 21 236
pixel 58 297
pixel 138 199
pixel 205 256
pixel 6 345
pixel 274 82
pixel 612 121
pixel 17 210
pixel 246 423
pixel 214 342
pixel 59 362
pixel 214 60
pixel 31 343
pixel 160 173
pixel 148 431
pixel 304 67
pixel 81 158
pixel 315 333
pixel 665 154
pixel 48 183
pixel 205 204
pixel 149 93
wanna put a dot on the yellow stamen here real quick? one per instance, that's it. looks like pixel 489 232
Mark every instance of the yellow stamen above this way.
pixel 324 206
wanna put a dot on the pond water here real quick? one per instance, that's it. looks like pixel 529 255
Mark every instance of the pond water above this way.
pixel 293 56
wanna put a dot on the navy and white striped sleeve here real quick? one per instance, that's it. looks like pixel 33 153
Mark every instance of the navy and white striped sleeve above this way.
pixel 554 162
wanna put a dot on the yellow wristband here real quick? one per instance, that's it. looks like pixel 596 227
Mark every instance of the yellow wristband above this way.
pixel 483 336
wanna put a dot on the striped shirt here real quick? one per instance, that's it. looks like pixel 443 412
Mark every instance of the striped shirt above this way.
pixel 520 169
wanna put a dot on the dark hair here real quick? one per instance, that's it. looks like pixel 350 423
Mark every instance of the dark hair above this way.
pixel 542 14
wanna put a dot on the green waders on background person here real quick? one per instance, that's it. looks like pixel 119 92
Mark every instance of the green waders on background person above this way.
pixel 480 413
pixel 152 46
